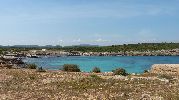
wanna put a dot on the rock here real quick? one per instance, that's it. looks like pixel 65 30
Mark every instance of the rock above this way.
pixel 171 69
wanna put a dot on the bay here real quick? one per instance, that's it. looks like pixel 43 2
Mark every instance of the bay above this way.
pixel 132 64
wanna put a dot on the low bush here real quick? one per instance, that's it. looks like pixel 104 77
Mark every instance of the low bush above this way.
pixel 120 71
pixel 165 76
pixel 32 66
pixel 146 71
pixel 71 68
pixel 96 70
pixel 32 77
pixel 40 69
pixel 95 77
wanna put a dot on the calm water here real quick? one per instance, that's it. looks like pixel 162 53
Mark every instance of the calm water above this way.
pixel 132 64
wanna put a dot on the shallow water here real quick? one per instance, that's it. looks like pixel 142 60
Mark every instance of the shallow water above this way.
pixel 133 64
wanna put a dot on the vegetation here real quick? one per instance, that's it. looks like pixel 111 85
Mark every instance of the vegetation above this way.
pixel 120 71
pixel 95 76
pixel 71 68
pixel 166 77
pixel 96 70
pixel 40 69
pixel 125 47
pixel 32 66
pixel 146 71
pixel 113 48
pixel 29 84
pixel 1 51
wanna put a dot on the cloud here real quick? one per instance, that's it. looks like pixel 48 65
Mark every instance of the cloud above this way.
pixel 97 35
pixel 146 35
pixel 108 35
pixel 102 40
pixel 77 40
pixel 61 41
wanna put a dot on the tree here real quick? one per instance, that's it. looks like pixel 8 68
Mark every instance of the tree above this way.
pixel 120 71
pixel 31 66
pixel 96 70
pixel 71 68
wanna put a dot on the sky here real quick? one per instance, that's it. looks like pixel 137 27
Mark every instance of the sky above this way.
pixel 97 22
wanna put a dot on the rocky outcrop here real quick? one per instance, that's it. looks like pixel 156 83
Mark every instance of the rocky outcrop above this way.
pixel 171 69
pixel 11 63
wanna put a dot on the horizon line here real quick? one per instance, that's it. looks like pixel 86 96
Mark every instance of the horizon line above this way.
pixel 83 44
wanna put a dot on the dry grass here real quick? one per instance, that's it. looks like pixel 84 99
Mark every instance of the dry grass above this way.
pixel 16 84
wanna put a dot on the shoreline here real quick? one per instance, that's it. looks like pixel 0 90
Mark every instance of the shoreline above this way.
pixel 106 65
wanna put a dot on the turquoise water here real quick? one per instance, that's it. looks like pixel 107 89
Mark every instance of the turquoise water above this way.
pixel 133 64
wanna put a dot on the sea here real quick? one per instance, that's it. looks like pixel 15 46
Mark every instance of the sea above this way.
pixel 132 64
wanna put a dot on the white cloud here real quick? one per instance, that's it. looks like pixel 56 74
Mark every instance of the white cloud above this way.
pixel 146 35
pixel 77 40
pixel 102 40
pixel 61 41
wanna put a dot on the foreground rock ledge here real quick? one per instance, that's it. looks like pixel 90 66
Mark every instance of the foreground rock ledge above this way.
pixel 169 69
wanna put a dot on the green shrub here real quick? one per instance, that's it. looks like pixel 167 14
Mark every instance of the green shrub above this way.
pixel 165 76
pixel 32 77
pixel 40 69
pixel 96 70
pixel 146 71
pixel 71 68
pixel 95 76
pixel 31 66
pixel 120 71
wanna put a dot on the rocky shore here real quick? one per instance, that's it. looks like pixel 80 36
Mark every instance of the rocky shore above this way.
pixel 172 52
pixel 22 84
pixel 62 53
pixel 17 83
pixel 169 69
